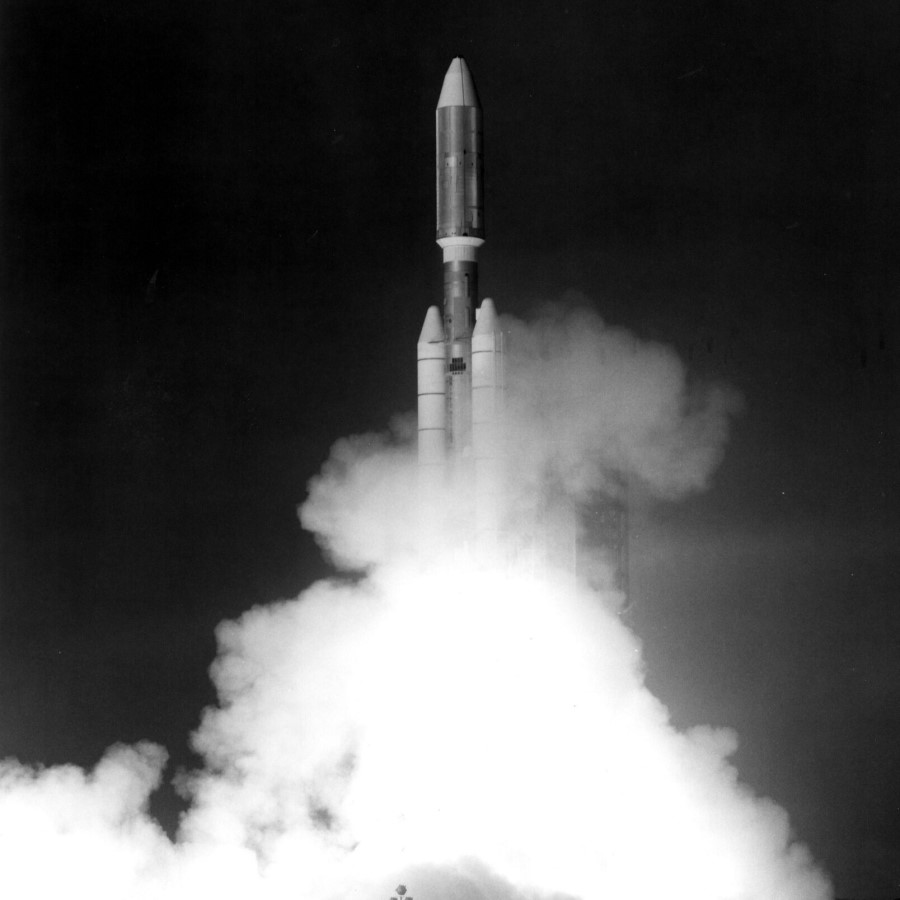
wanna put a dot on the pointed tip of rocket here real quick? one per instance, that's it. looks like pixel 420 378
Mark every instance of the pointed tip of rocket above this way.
pixel 486 321
pixel 458 89
pixel 432 328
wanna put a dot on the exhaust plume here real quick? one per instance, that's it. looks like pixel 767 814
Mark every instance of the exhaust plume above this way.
pixel 472 727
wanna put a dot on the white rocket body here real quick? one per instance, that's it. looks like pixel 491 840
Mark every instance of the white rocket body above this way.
pixel 432 401
pixel 461 379
pixel 460 369
pixel 488 388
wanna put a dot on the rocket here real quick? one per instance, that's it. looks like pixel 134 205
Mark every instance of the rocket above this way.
pixel 461 376
pixel 460 354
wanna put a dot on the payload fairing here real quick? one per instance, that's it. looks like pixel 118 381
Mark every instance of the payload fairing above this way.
pixel 460 358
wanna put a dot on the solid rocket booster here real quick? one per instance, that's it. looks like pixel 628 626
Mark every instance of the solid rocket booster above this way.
pixel 460 371
pixel 487 412
pixel 432 407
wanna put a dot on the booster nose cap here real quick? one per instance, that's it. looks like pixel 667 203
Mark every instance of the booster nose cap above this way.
pixel 486 321
pixel 432 328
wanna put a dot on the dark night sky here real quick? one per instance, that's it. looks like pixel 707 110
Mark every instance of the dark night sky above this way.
pixel 714 174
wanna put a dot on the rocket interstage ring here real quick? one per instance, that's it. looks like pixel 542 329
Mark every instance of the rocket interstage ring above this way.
pixel 460 248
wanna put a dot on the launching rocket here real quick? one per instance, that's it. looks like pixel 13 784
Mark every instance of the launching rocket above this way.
pixel 460 364
pixel 461 382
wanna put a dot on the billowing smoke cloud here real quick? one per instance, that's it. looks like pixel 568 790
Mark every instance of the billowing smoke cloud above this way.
pixel 67 833
pixel 474 727
pixel 588 408
pixel 589 402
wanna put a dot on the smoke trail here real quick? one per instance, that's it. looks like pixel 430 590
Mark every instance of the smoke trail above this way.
pixel 475 729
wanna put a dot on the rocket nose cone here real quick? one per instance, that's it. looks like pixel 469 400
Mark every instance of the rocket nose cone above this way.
pixel 432 328
pixel 458 89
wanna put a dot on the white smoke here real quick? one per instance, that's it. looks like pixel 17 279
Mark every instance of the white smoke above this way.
pixel 67 833
pixel 588 401
pixel 474 729
pixel 587 406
